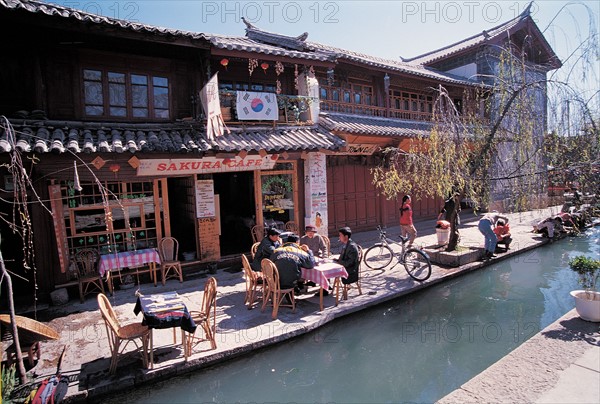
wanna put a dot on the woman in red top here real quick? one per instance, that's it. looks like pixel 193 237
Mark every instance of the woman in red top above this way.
pixel 407 227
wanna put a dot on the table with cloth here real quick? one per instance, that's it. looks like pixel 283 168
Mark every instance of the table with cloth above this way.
pixel 129 259
pixel 165 310
pixel 321 274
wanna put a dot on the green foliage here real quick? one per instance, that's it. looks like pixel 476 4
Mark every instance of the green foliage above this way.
pixel 9 380
pixel 588 270
pixel 280 184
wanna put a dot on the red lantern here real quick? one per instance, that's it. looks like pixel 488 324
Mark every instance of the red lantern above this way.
pixel 224 62
pixel 264 66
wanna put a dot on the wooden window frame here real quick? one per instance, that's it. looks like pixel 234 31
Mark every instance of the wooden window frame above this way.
pixel 129 107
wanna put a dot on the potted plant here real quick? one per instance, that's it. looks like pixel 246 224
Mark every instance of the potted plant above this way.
pixel 587 301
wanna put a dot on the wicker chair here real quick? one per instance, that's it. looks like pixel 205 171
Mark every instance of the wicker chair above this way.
pixel 258 233
pixel 291 226
pixel 345 288
pixel 168 248
pixel 206 318
pixel 326 253
pixel 273 292
pixel 89 279
pixel 252 282
pixel 118 334
pixel 254 249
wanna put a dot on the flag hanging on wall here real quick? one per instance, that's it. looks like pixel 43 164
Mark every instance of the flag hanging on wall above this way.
pixel 209 96
pixel 257 106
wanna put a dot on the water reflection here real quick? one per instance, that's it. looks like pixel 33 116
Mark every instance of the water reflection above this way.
pixel 417 348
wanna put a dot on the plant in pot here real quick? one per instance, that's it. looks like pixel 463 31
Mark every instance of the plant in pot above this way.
pixel 587 301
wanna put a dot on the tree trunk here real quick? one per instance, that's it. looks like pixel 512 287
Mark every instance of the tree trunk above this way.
pixel 452 207
pixel 13 321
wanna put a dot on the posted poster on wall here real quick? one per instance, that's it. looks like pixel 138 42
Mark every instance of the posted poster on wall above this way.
pixel 205 199
pixel 316 192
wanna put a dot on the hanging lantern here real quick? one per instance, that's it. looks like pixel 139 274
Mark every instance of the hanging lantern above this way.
pixel 224 62
pixel 264 66
pixel 386 82
pixel 330 77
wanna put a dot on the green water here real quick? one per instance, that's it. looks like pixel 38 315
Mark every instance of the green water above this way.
pixel 417 348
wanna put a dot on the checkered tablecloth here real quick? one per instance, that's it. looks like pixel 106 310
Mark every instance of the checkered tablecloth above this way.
pixel 321 273
pixel 127 259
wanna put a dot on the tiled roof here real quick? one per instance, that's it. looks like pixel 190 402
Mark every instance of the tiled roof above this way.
pixel 35 6
pixel 392 65
pixel 249 45
pixel 486 36
pixel 365 125
pixel 60 137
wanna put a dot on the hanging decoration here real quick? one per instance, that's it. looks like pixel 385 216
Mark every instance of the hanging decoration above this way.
pixel 264 66
pixel 330 77
pixel 278 88
pixel 224 62
pixel 311 71
pixel 386 83
pixel 278 68
pixel 252 64
pixel 77 184
pixel 296 77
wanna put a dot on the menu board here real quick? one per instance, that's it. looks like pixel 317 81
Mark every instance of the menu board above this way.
pixel 205 198
pixel 208 236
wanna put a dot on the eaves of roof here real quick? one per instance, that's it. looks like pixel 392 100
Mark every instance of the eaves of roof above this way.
pixel 40 7
pixel 76 137
pixel 244 44
pixel 365 125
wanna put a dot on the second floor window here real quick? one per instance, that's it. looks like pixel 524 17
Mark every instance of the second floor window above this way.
pixel 125 95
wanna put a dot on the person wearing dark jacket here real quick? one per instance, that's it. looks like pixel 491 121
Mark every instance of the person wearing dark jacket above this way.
pixel 266 248
pixel 349 255
pixel 289 259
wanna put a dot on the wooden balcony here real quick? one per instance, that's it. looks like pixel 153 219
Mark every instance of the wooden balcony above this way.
pixel 370 110
pixel 292 110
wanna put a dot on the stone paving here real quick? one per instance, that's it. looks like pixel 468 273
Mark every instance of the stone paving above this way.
pixel 239 330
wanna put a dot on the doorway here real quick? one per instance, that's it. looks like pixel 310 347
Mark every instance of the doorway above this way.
pixel 238 210
pixel 182 211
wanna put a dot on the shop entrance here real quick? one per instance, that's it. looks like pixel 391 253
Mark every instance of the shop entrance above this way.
pixel 182 212
pixel 238 210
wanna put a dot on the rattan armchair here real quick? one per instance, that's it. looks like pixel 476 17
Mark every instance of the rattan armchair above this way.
pixel 206 318
pixel 118 333
pixel 327 242
pixel 273 291
pixel 88 278
pixel 168 248
pixel 254 249
pixel 291 226
pixel 258 233
pixel 253 282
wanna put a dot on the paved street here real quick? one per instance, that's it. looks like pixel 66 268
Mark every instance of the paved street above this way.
pixel 240 330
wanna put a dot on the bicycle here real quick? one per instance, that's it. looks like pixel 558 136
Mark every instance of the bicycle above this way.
pixel 415 261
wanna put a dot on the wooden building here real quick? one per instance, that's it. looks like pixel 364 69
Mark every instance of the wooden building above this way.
pixel 108 114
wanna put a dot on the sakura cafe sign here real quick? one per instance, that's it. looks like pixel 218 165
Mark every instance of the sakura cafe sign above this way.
pixel 205 165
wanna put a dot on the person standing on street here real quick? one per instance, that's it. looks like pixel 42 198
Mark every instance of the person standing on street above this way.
pixel 407 228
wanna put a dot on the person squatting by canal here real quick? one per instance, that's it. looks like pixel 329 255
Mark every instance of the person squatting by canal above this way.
pixel 407 227
pixel 486 227
pixel 266 248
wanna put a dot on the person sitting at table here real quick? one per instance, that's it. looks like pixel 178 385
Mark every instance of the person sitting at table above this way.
pixel 314 241
pixel 266 248
pixel 349 255
pixel 289 259
pixel 502 232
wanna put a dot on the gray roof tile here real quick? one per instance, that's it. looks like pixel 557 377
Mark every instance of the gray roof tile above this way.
pixel 49 136
pixel 364 125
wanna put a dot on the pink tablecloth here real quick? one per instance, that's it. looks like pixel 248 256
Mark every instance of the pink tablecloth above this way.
pixel 129 259
pixel 323 272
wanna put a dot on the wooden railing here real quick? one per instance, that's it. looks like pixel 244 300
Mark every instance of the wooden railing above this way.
pixel 291 109
pixel 370 110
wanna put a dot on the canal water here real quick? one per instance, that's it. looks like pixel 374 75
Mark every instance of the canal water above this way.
pixel 417 348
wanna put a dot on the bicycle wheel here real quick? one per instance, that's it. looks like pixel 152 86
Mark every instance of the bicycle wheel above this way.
pixel 417 264
pixel 378 256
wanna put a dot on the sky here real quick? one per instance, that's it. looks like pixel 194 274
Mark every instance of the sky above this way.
pixel 388 29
